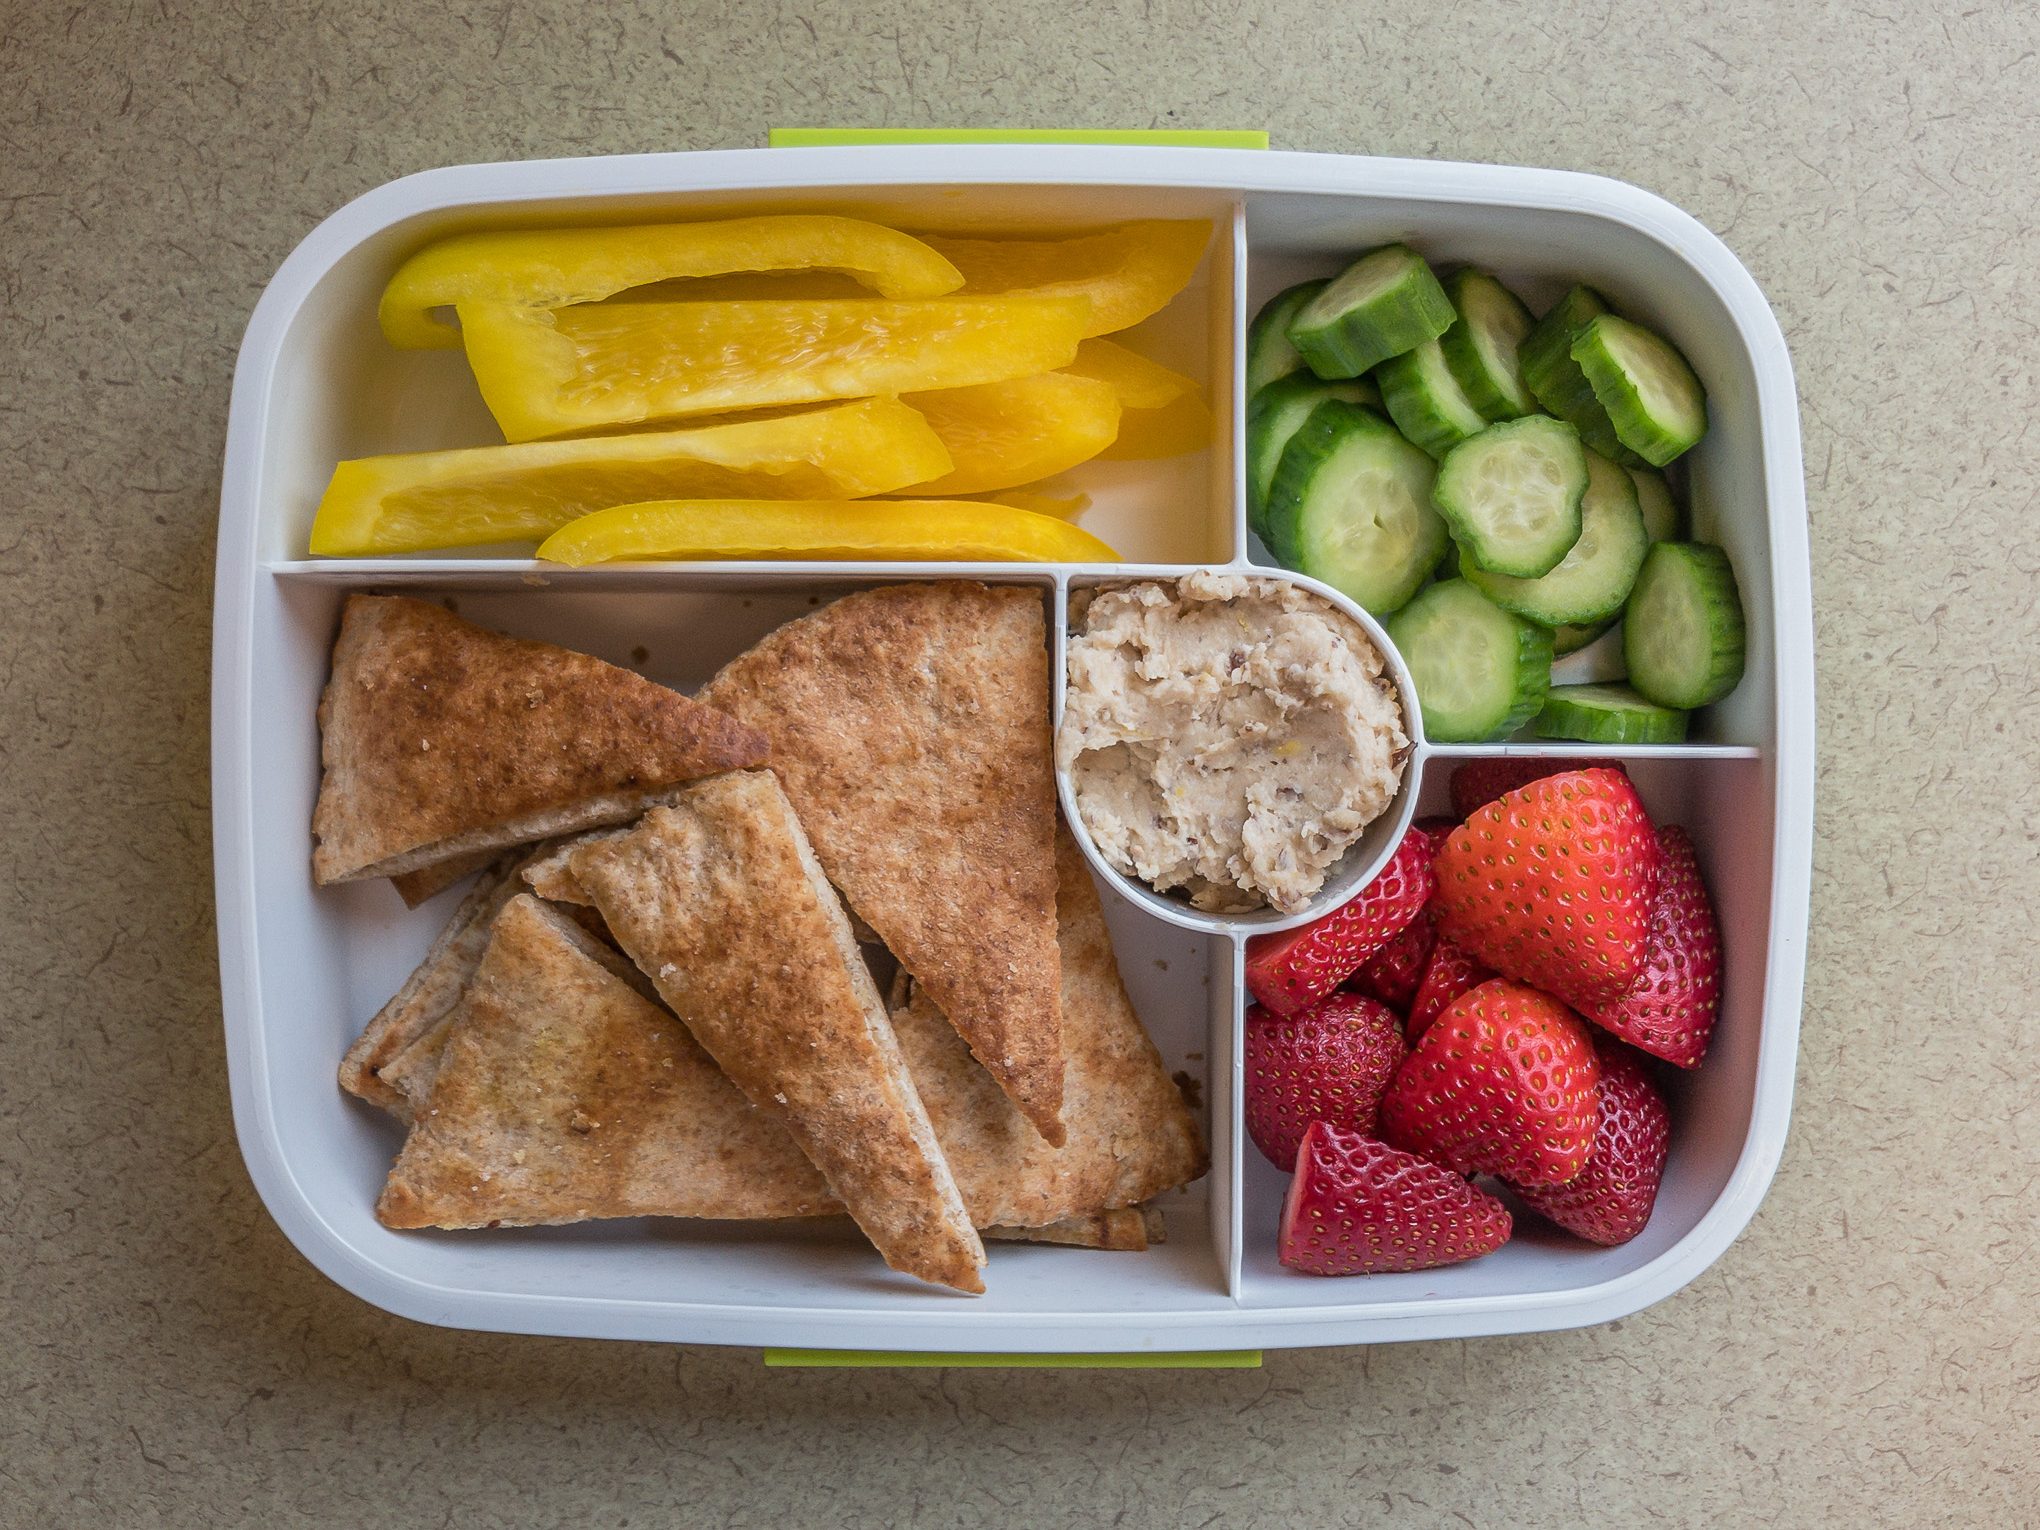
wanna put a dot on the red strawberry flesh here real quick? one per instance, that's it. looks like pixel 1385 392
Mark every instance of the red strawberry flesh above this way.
pixel 1552 884
pixel 1330 1063
pixel 1448 973
pixel 1293 970
pixel 1357 1206
pixel 1392 973
pixel 1610 1200
pixel 1501 1083
pixel 1669 1010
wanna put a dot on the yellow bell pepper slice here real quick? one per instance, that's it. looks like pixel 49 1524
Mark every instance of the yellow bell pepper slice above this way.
pixel 1064 507
pixel 1128 272
pixel 874 530
pixel 1139 382
pixel 375 506
pixel 1003 434
pixel 550 268
pixel 1184 425
pixel 549 372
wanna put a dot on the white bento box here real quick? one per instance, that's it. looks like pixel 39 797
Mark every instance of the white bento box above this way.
pixel 302 968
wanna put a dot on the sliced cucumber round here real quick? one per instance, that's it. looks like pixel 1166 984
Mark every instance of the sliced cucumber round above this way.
pixel 1275 414
pixel 1385 303
pixel 1682 636
pixel 1556 379
pixel 1480 673
pixel 1351 505
pixel 1663 521
pixel 1572 637
pixel 1643 385
pixel 1480 347
pixel 1607 714
pixel 1511 495
pixel 1425 400
pixel 1593 579
pixel 1269 353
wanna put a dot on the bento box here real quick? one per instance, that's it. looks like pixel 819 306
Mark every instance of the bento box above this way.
pixel 302 967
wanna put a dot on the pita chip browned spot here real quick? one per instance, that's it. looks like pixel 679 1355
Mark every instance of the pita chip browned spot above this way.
pixel 1131 1136
pixel 563 1093
pixel 721 901
pixel 910 727
pixel 440 739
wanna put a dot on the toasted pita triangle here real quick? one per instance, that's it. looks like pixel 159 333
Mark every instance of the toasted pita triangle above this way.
pixel 720 901
pixel 414 887
pixel 564 1094
pixel 910 727
pixel 440 739
pixel 1123 1229
pixel 1131 1136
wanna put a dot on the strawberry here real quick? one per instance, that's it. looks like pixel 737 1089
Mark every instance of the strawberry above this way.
pixel 1501 1083
pixel 1326 1063
pixel 1479 782
pixel 1392 973
pixel 1448 973
pixel 1360 1207
pixel 1669 1010
pixel 1552 883
pixel 1292 970
pixel 1610 1199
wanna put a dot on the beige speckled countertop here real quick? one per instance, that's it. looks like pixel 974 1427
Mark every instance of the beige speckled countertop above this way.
pixel 1867 1352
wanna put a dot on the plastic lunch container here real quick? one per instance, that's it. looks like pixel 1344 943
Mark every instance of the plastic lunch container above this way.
pixel 301 969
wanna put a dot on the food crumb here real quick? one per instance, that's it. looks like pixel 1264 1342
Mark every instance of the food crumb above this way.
pixel 1192 1089
pixel 639 654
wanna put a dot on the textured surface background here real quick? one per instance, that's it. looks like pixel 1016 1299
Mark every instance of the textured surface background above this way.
pixel 1867 1352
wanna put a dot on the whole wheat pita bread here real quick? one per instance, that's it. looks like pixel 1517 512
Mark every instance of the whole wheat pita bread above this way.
pixel 440 740
pixel 414 887
pixel 564 1094
pixel 721 902
pixel 1131 1136
pixel 1124 1229
pixel 910 727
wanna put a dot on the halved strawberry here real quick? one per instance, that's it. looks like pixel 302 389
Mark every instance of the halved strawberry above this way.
pixel 1479 782
pixel 1669 1010
pixel 1392 973
pixel 1298 967
pixel 1552 884
pixel 1610 1200
pixel 1448 973
pixel 1326 1063
pixel 1360 1207
pixel 1502 1083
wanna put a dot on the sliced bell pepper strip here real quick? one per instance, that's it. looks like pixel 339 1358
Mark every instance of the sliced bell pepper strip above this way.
pixel 550 372
pixel 379 505
pixel 553 267
pixel 1139 382
pixel 1183 425
pixel 1128 272
pixel 1064 507
pixel 876 530
pixel 1003 434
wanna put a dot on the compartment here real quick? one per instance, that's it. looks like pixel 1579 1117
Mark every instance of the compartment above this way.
pixel 1716 1135
pixel 331 956
pixel 340 390
pixel 1540 252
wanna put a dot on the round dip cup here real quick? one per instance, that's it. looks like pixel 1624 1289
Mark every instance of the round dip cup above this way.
pixel 1363 859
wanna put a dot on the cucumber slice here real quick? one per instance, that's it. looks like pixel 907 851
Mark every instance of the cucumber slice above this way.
pixel 1592 580
pixel 1556 379
pixel 1511 495
pixel 1662 519
pixel 1351 505
pixel 1572 637
pixel 1269 353
pixel 1682 636
pixel 1275 414
pixel 1607 714
pixel 1650 395
pixel 1479 672
pixel 1480 347
pixel 1385 303
pixel 1426 402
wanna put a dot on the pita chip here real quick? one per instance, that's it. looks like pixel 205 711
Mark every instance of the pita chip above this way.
pixel 563 1093
pixel 720 900
pixel 1123 1229
pixel 440 740
pixel 414 887
pixel 1131 1136
pixel 909 726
